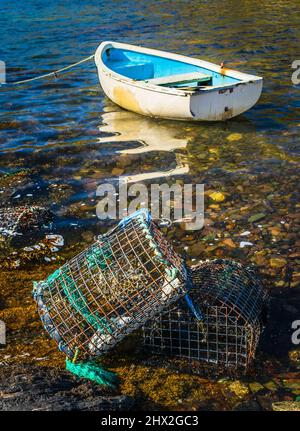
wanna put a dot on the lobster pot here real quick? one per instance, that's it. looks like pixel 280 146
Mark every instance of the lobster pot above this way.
pixel 219 322
pixel 18 220
pixel 126 277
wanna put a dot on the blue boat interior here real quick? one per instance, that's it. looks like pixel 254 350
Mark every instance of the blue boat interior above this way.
pixel 142 66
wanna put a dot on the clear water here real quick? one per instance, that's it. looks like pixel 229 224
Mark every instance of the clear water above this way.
pixel 72 136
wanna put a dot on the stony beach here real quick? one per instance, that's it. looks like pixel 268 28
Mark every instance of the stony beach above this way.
pixel 61 138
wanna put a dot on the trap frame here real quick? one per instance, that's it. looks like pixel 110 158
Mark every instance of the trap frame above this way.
pixel 220 321
pixel 110 289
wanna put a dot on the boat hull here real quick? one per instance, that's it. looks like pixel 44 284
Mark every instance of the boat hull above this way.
pixel 213 104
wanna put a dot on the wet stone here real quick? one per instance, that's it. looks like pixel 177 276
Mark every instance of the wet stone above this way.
pixel 247 406
pixel 292 385
pixel 239 388
pixel 233 137
pixel 278 262
pixel 255 387
pixel 271 386
pixel 286 406
pixel 256 217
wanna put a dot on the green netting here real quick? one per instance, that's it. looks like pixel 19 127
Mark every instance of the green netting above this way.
pixel 97 256
pixel 91 370
pixel 78 301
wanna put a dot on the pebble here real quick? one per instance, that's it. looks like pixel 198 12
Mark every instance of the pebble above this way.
pixel 255 387
pixel 217 196
pixel 256 217
pixel 245 244
pixel 117 171
pixel 278 262
pixel 250 405
pixel 239 389
pixel 286 406
pixel 271 386
pixel 229 243
pixel 246 233
pixel 54 249
pixel 233 137
pixel 56 240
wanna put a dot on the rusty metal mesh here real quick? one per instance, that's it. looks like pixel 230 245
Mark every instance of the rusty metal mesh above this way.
pixel 17 220
pixel 110 289
pixel 219 323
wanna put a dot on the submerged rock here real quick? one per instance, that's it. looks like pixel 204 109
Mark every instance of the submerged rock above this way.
pixel 233 137
pixel 247 406
pixel 255 387
pixel 294 356
pixel 239 388
pixel 271 386
pixel 286 406
pixel 228 242
pixel 217 196
pixel 56 240
pixel 278 262
pixel 20 221
pixel 245 244
pixel 256 217
pixel 45 250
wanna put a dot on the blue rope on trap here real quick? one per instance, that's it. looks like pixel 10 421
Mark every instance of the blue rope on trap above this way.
pixel 194 309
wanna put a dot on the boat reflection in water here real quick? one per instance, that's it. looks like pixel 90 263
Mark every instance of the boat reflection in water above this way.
pixel 152 135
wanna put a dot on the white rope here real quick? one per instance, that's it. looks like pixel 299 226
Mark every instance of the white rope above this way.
pixel 55 73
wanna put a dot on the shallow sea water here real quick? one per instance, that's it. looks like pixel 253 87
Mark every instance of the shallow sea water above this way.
pixel 68 137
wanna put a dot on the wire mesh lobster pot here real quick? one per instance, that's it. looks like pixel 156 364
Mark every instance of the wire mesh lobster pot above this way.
pixel 110 289
pixel 219 322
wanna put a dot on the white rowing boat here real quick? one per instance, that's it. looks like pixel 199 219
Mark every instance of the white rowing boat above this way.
pixel 165 85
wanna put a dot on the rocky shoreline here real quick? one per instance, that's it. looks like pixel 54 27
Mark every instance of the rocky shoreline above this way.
pixel 155 382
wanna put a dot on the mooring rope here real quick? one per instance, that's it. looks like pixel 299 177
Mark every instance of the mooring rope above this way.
pixel 54 73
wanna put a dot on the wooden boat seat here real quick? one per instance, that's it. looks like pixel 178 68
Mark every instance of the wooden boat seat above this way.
pixel 194 78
